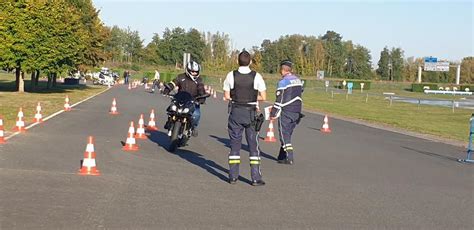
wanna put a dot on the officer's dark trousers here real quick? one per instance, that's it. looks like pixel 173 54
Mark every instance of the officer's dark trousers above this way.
pixel 240 119
pixel 286 124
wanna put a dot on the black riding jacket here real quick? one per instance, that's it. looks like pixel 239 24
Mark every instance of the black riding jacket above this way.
pixel 187 84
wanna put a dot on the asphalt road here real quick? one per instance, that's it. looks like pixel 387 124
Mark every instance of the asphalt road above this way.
pixel 357 177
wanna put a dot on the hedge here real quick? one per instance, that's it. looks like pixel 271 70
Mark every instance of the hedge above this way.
pixel 419 87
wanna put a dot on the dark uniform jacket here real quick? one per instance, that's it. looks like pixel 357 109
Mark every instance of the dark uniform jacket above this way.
pixel 288 95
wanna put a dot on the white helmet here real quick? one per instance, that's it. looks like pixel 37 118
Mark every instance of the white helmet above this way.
pixel 193 66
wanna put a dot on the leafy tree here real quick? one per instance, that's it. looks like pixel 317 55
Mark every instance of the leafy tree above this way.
pixel 256 59
pixel 15 37
pixel 114 46
pixel 133 45
pixel 397 64
pixel 335 53
pixel 151 50
pixel 95 33
pixel 467 70
pixel 383 65
pixel 359 64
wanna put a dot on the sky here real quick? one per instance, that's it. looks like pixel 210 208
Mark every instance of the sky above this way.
pixel 442 29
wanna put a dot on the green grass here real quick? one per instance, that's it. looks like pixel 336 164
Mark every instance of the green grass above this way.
pixel 435 120
pixel 52 100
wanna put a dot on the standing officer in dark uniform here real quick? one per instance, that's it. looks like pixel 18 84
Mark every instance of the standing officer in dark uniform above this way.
pixel 244 88
pixel 287 109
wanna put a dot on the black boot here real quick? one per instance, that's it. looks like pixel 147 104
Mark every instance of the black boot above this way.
pixel 168 124
pixel 281 155
pixel 232 180
pixel 258 182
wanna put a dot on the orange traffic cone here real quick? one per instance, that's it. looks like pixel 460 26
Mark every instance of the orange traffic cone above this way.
pixel 20 124
pixel 152 124
pixel 2 134
pixel 113 109
pixel 88 166
pixel 130 144
pixel 141 128
pixel 270 134
pixel 325 128
pixel 38 116
pixel 67 107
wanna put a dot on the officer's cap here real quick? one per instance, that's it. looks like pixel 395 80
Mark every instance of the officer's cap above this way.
pixel 287 63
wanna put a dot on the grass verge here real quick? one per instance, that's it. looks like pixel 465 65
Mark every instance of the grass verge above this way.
pixel 52 100
pixel 425 119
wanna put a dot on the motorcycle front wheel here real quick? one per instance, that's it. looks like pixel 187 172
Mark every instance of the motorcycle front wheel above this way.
pixel 174 136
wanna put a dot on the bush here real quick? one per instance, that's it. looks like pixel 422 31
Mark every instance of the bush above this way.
pixel 419 87
pixel 167 76
pixel 135 67
pixel 149 75
pixel 463 87
pixel 356 84
pixel 124 66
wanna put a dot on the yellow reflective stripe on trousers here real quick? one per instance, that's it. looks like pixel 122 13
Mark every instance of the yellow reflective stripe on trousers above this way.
pixel 234 161
pixel 254 162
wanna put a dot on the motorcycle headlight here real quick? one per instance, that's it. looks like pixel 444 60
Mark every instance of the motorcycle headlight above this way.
pixel 180 110
pixel 173 108
pixel 186 110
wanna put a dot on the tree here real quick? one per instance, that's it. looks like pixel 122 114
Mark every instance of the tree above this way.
pixel 410 72
pixel 172 46
pixel 151 50
pixel 15 38
pixel 359 64
pixel 384 70
pixel 256 59
pixel 133 45
pixel 467 70
pixel 269 55
pixel 95 33
pixel 49 36
pixel 335 53
pixel 114 46
pixel 397 64
pixel 194 44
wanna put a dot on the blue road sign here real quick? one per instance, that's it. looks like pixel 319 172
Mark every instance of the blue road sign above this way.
pixel 431 59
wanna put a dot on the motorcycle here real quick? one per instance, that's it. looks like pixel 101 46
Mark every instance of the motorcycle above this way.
pixel 103 79
pixel 179 124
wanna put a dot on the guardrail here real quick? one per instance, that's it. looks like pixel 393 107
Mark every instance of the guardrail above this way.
pixel 447 92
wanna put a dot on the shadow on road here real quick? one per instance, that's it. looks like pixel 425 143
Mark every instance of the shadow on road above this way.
pixel 160 138
pixel 432 154
pixel 245 147
pixel 197 159
pixel 317 129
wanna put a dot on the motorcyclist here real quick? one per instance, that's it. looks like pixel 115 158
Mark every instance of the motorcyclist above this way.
pixel 190 82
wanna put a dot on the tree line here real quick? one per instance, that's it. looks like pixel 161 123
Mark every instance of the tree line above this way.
pixel 49 37
pixel 53 37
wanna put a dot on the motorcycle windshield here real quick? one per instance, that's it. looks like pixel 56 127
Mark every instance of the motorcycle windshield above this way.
pixel 183 97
